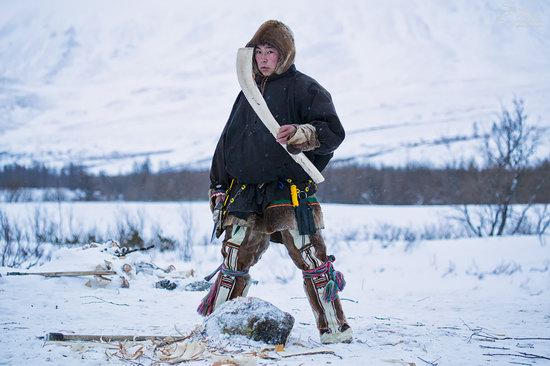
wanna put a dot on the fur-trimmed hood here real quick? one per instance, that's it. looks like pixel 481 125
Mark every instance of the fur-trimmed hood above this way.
pixel 278 35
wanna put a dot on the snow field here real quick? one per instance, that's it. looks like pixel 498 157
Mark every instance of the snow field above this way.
pixel 435 300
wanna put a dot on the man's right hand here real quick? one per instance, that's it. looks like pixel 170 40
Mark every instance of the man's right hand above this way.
pixel 217 211
pixel 219 199
pixel 285 133
pixel 216 197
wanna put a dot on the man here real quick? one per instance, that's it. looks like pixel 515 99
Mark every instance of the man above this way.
pixel 261 194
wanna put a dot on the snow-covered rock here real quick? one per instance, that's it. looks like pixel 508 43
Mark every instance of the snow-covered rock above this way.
pixel 252 317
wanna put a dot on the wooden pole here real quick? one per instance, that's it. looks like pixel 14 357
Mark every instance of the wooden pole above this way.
pixel 60 337
pixel 61 274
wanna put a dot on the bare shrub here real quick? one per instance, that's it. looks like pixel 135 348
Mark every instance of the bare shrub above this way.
pixel 508 150
pixel 14 248
pixel 43 229
pixel 389 234
pixel 162 241
pixel 542 219
pixel 130 229
pixel 187 232
pixel 442 231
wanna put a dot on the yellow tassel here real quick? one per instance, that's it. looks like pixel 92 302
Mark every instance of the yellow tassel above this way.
pixel 294 195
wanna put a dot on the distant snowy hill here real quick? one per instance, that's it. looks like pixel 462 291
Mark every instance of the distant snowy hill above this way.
pixel 107 83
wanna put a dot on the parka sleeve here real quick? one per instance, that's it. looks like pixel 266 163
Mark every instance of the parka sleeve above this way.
pixel 315 107
pixel 218 175
pixel 219 179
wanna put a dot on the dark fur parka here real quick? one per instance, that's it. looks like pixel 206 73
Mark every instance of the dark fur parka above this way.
pixel 248 154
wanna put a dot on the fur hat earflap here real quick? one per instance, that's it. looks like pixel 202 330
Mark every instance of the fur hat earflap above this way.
pixel 278 35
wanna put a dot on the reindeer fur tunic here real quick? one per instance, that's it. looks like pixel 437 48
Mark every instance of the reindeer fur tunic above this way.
pixel 248 154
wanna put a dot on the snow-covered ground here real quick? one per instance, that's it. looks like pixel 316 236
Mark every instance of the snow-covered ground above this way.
pixel 439 301
pixel 105 84
pixel 350 221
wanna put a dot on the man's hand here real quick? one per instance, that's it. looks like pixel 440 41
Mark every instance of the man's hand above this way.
pixel 216 198
pixel 217 217
pixel 285 133
pixel 216 213
pixel 219 199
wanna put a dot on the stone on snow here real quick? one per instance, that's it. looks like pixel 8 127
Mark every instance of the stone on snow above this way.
pixel 251 317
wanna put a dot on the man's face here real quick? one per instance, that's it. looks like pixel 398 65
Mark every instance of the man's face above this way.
pixel 267 59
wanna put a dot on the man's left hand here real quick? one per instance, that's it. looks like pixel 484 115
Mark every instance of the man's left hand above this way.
pixel 285 133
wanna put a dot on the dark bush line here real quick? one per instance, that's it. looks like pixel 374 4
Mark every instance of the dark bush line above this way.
pixel 418 185
pixel 140 185
pixel 421 185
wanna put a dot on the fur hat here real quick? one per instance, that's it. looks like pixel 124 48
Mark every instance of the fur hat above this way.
pixel 279 36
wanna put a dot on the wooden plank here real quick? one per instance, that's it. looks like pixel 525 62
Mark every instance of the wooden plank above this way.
pixel 66 273
pixel 60 337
